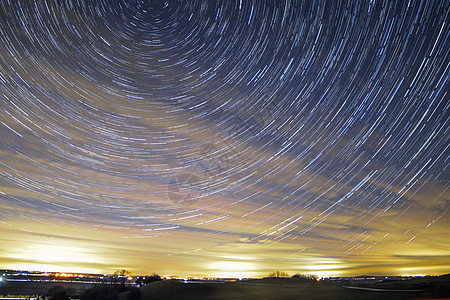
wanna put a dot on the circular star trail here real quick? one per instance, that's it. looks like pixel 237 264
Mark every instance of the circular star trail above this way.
pixel 322 126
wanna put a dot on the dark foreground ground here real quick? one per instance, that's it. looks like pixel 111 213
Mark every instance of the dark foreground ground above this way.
pixel 40 287
pixel 277 288
pixel 262 289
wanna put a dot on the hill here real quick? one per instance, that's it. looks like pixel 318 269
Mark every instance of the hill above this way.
pixel 289 288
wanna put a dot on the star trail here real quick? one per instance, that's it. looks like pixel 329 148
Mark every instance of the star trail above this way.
pixel 225 138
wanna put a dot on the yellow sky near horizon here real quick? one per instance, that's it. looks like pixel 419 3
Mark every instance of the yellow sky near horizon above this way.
pixel 36 245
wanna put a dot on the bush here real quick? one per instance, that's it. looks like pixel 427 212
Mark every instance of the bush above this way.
pixel 148 279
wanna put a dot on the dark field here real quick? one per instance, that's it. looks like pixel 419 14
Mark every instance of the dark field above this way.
pixel 40 287
pixel 277 288
pixel 260 289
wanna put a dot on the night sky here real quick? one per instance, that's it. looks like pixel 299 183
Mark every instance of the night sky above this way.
pixel 225 138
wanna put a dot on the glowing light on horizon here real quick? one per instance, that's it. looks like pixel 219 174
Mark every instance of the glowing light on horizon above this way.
pixel 325 274
pixel 51 268
pixel 232 269
pixel 47 257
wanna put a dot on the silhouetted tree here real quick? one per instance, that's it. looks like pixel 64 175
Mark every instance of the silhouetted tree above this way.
pixel 122 272
pixel 278 274
pixel 303 276
pixel 121 276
